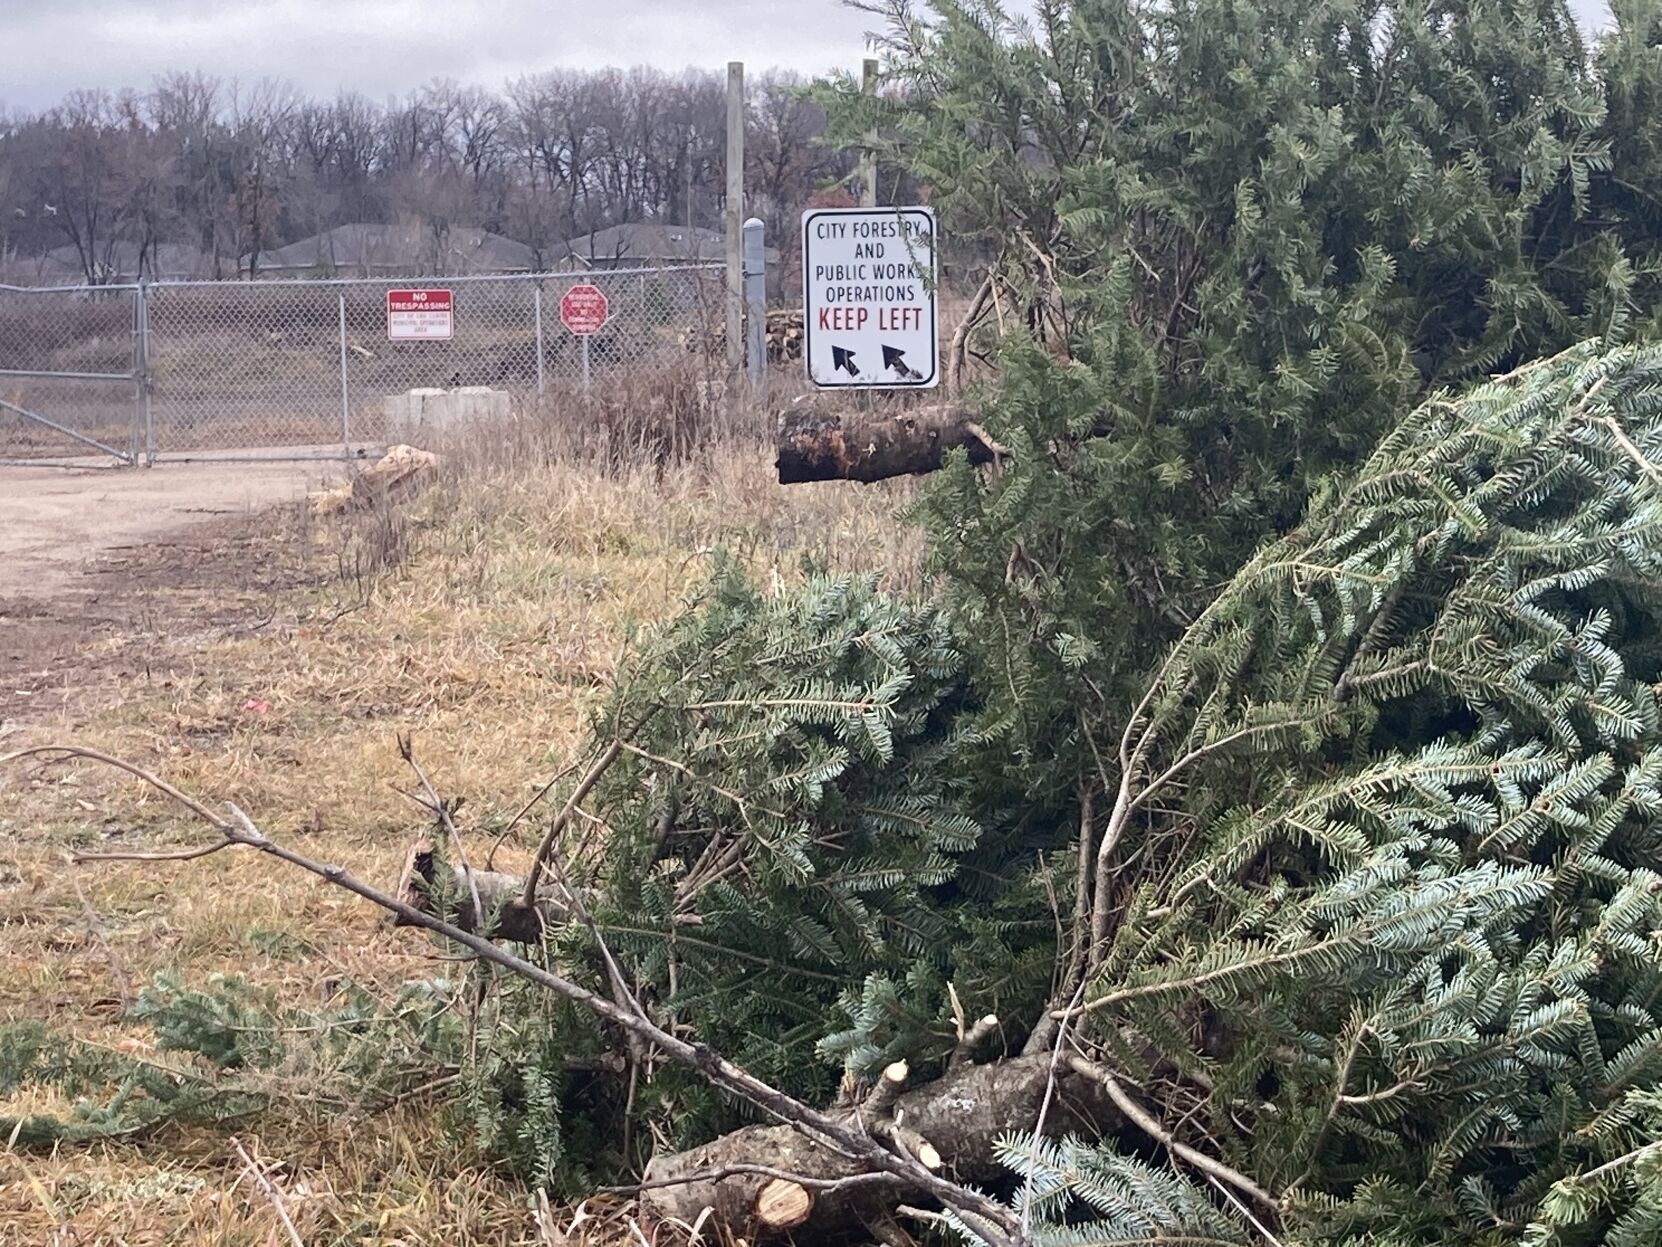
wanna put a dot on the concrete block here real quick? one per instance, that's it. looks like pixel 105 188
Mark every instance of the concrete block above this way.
pixel 423 416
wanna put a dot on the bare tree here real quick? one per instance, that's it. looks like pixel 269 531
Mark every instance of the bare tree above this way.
pixel 78 179
pixel 236 170
pixel 260 120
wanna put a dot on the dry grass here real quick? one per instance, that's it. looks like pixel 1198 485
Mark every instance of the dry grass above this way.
pixel 483 619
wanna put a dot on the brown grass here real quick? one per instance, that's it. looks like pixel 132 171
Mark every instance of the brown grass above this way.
pixel 483 619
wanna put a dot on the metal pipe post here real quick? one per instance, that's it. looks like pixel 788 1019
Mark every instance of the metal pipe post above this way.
pixel 538 294
pixel 141 368
pixel 735 215
pixel 345 396
pixel 755 307
pixel 586 363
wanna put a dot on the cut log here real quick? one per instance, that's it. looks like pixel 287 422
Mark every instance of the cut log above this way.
pixel 782 1205
pixel 819 442
pixel 950 1125
pixel 505 917
pixel 395 475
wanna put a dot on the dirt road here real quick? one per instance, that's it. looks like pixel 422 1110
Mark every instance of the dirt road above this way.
pixel 95 564
pixel 57 523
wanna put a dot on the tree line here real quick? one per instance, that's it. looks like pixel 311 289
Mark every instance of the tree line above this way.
pixel 234 169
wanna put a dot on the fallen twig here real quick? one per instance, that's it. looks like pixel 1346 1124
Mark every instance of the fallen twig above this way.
pixel 1139 1116
pixel 406 750
pixel 269 1189
pixel 589 780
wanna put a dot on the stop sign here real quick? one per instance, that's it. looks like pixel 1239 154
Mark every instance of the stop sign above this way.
pixel 583 309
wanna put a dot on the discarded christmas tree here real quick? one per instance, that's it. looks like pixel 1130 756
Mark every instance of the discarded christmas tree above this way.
pixel 1268 798
pixel 1361 924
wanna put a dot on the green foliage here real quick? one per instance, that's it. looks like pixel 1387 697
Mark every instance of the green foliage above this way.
pixel 1368 704
pixel 539 1086
pixel 790 793
pixel 228 1052
pixel 1076 1194
pixel 1359 706
pixel 1617 1201
pixel 1391 859
pixel 1232 241
pixel 1386 863
pixel 113 1095
pixel 783 823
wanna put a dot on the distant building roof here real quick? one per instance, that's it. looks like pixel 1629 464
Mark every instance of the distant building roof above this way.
pixel 648 243
pixel 118 263
pixel 364 248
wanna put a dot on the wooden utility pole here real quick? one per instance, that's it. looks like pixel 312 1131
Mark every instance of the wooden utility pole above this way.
pixel 688 219
pixel 868 161
pixel 734 215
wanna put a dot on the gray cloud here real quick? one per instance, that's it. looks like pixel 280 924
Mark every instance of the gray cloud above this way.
pixel 385 47
pixel 382 47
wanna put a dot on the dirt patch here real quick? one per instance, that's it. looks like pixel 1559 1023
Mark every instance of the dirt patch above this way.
pixel 56 524
pixel 112 576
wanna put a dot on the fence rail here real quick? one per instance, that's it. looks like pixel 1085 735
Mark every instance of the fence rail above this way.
pixel 173 369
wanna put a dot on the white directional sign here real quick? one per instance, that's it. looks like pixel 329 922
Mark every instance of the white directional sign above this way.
pixel 868 280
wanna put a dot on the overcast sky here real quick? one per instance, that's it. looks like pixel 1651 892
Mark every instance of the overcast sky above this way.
pixel 382 47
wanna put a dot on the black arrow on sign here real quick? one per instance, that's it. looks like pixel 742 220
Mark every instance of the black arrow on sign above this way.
pixel 843 358
pixel 895 359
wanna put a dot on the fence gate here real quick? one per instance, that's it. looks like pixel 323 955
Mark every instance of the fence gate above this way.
pixel 71 375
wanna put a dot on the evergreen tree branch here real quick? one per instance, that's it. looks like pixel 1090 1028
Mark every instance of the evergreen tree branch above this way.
pixel 1631 451
pixel 240 831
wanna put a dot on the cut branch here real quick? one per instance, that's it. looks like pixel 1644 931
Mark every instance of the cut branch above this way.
pixel 881 1100
pixel 269 1189
pixel 1145 1121
pixel 551 837
pixel 974 1038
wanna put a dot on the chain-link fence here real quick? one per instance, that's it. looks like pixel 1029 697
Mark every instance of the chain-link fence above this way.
pixel 69 373
pixel 304 367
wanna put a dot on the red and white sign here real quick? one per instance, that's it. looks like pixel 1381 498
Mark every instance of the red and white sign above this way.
pixel 583 310
pixel 419 316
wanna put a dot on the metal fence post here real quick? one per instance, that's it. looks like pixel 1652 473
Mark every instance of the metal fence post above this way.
pixel 735 214
pixel 345 397
pixel 142 370
pixel 540 387
pixel 755 307
pixel 585 339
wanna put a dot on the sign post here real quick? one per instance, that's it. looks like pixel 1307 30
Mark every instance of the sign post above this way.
pixel 420 316
pixel 868 281
pixel 583 311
